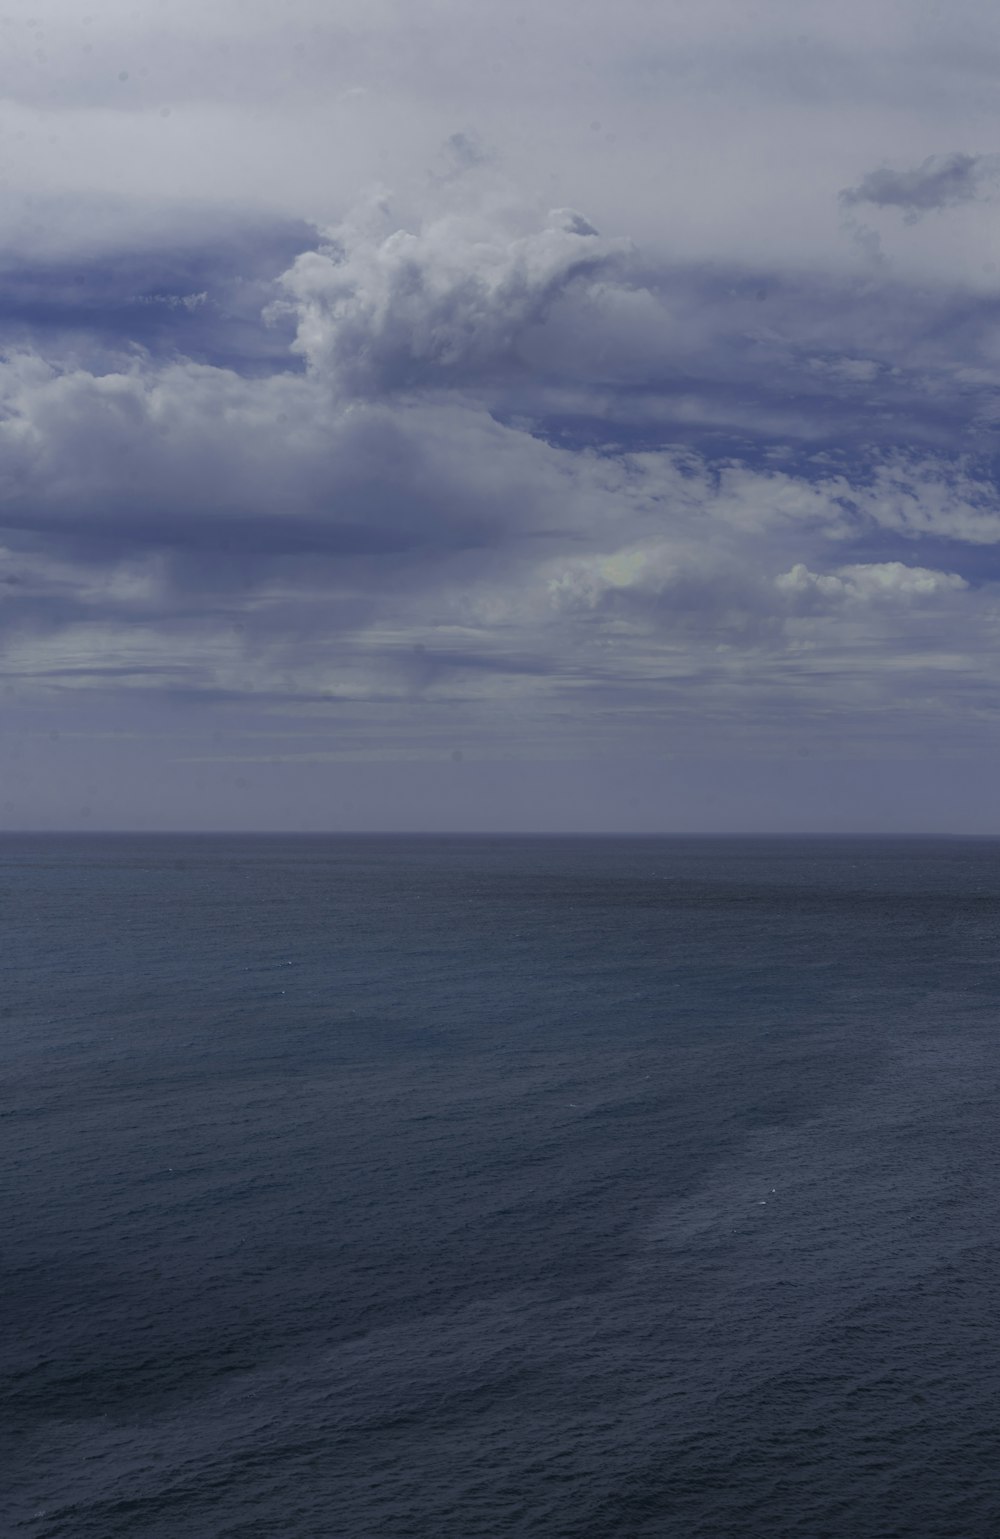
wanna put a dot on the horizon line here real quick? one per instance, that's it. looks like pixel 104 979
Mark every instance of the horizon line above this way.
pixel 484 833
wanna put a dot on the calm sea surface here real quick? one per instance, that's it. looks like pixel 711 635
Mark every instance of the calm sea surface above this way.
pixel 445 1188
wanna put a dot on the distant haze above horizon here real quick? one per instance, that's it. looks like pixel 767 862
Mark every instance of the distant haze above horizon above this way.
pixel 439 417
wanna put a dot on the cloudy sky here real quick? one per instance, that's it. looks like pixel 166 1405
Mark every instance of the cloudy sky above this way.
pixel 446 415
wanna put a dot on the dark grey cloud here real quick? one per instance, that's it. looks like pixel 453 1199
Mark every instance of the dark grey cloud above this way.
pixel 460 154
pixel 939 182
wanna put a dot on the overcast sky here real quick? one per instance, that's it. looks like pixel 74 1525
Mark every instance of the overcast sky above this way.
pixel 432 414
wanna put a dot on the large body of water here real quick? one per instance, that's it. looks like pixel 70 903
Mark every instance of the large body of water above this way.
pixel 371 1188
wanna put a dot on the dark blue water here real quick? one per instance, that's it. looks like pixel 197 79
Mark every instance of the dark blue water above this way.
pixel 493 1188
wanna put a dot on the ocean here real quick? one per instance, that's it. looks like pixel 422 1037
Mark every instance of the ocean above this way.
pixel 459 1187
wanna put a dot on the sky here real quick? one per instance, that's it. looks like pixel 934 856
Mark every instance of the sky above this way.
pixel 424 415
